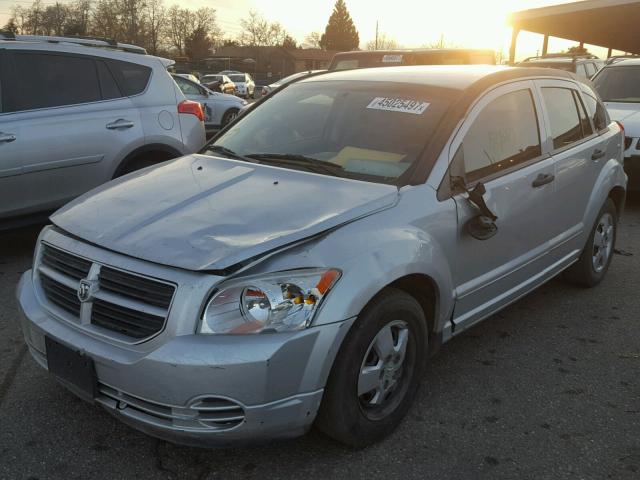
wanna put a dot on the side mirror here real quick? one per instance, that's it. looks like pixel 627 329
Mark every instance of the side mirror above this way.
pixel 481 227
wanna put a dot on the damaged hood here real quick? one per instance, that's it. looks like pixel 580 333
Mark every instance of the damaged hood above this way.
pixel 207 213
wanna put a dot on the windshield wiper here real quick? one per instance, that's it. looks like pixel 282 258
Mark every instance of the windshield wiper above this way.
pixel 294 159
pixel 227 152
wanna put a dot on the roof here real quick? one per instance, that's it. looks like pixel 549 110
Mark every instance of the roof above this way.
pixel 311 54
pixel 455 77
pixel 608 23
pixel 625 62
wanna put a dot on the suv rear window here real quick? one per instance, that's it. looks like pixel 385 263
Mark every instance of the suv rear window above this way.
pixel 47 80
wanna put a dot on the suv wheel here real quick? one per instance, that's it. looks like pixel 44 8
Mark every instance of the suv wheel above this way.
pixel 595 259
pixel 377 371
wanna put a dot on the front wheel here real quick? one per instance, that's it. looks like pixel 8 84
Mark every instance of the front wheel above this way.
pixel 376 374
pixel 594 261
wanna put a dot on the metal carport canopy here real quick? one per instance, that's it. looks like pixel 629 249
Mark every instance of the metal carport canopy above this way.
pixel 614 24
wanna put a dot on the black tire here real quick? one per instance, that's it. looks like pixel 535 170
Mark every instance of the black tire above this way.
pixel 346 416
pixel 143 161
pixel 583 272
pixel 229 116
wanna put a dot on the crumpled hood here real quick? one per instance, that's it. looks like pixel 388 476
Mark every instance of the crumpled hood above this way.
pixel 628 114
pixel 207 213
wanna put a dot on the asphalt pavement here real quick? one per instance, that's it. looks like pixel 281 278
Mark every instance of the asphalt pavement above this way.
pixel 547 388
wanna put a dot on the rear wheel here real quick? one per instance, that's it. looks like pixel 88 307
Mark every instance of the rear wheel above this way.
pixel 377 371
pixel 594 261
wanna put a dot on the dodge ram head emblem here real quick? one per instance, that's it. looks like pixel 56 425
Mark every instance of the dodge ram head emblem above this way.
pixel 85 290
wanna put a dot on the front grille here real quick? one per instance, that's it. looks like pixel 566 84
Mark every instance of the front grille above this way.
pixel 65 263
pixel 138 288
pixel 126 321
pixel 127 304
pixel 627 142
pixel 209 414
pixel 61 295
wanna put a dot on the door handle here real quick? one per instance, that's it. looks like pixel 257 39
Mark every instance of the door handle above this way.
pixel 543 179
pixel 120 124
pixel 597 153
pixel 7 137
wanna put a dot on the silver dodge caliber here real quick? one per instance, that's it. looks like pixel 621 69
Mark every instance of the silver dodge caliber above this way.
pixel 303 267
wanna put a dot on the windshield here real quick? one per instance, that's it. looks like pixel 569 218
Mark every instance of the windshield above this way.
pixel 368 131
pixel 237 78
pixel 290 78
pixel 619 84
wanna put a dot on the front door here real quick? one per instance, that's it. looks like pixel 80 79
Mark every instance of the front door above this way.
pixel 500 146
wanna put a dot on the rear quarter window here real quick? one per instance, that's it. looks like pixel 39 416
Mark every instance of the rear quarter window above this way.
pixel 132 78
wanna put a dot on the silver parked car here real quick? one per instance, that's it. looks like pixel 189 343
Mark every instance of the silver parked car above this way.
pixel 219 108
pixel 304 266
pixel 76 113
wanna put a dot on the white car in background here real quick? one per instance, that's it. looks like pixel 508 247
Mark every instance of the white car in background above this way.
pixel 618 83
pixel 219 108
pixel 245 86
pixel 188 76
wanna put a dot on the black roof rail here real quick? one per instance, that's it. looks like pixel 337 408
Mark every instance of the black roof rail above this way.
pixel 87 41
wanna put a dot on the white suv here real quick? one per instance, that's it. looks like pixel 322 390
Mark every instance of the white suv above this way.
pixel 75 113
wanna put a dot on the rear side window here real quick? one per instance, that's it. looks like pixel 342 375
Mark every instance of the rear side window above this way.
pixel 131 77
pixel 187 87
pixel 563 116
pixel 584 118
pixel 503 135
pixel 591 69
pixel 597 112
pixel 46 80
pixel 108 84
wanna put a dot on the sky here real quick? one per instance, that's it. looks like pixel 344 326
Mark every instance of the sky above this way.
pixel 412 23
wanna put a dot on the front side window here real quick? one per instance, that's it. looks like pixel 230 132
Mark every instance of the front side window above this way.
pixel 503 135
pixel 46 80
pixel 563 116
pixel 370 131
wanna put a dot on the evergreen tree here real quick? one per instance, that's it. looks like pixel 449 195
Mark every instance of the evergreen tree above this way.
pixel 340 32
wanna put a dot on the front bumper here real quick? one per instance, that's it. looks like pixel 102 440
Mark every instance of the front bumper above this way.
pixel 200 390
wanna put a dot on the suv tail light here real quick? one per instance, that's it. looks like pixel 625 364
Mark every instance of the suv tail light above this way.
pixel 191 108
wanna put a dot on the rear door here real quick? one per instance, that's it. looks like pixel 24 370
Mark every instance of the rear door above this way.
pixel 72 122
pixel 500 146
pixel 579 149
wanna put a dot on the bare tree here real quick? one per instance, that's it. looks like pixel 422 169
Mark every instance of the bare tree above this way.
pixel 312 40
pixel 155 19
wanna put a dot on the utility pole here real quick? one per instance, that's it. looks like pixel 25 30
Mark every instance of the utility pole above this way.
pixel 376 35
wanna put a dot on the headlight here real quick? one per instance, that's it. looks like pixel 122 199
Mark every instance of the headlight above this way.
pixel 244 102
pixel 275 303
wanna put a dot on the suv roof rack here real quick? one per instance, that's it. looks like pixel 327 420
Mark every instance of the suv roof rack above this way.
pixel 75 39
pixel 569 56
pixel 619 58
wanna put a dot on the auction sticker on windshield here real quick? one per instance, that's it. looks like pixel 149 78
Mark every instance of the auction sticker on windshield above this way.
pixel 398 105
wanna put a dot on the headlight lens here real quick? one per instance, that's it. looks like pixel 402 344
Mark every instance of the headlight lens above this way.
pixel 276 303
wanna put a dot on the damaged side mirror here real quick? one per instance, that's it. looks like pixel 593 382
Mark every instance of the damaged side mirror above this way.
pixel 482 226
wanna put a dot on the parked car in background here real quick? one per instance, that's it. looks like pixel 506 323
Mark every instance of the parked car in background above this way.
pixel 76 113
pixel 584 66
pixel 219 83
pixel 304 266
pixel 418 56
pixel 188 76
pixel 245 86
pixel 219 108
pixel 267 89
pixel 618 83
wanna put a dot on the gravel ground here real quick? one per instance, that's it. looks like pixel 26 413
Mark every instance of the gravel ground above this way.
pixel 548 388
